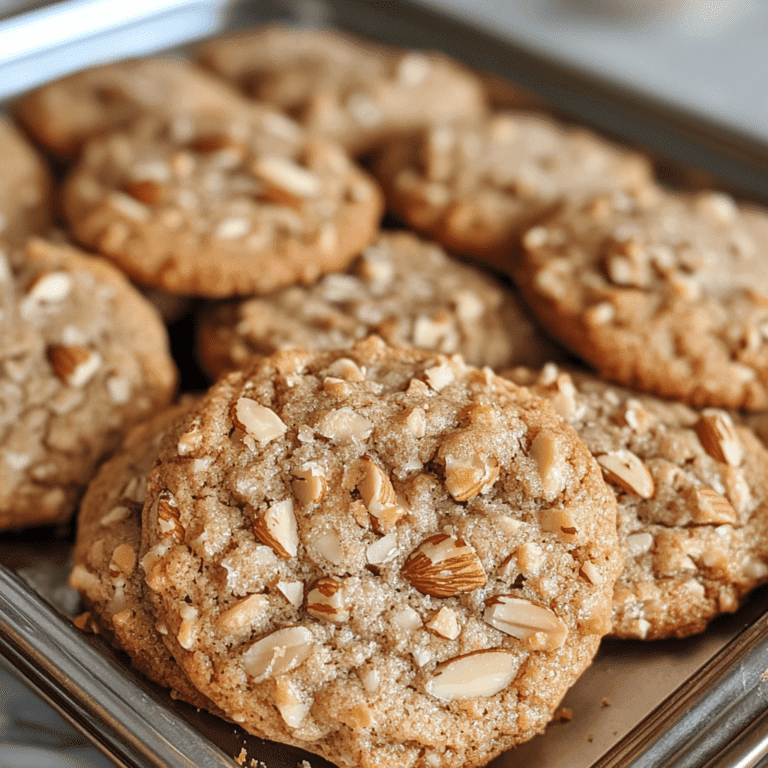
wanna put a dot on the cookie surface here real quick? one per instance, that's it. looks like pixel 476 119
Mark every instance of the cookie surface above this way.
pixel 83 358
pixel 105 557
pixel 408 291
pixel 692 490
pixel 380 555
pixel 475 188
pixel 665 293
pixel 64 114
pixel 343 88
pixel 221 206
pixel 25 188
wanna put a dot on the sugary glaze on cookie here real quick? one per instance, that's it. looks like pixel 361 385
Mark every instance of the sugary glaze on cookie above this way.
pixel 25 188
pixel 346 89
pixel 663 292
pixel 63 115
pixel 692 490
pixel 408 291
pixel 105 558
pixel 380 555
pixel 475 188
pixel 82 358
pixel 221 206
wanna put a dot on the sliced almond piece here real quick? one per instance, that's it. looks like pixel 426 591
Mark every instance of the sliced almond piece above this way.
pixel 50 286
pixel 443 566
pixel 526 620
pixel 277 529
pixel 383 550
pixel 483 673
pixel 327 600
pixel 168 517
pixel 342 426
pixel 308 486
pixel 718 437
pixel 467 478
pixel 257 421
pixel 242 614
pixel 626 470
pixel 445 623
pixel 378 495
pixel 550 460
pixel 293 591
pixel 289 703
pixel 278 652
pixel 712 508
pixel 75 366
pixel 285 181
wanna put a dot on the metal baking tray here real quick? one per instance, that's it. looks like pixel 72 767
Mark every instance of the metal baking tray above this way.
pixel 695 703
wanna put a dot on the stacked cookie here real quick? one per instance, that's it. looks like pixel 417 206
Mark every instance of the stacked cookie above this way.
pixel 399 522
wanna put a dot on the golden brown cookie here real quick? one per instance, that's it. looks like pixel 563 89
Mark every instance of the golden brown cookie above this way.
pixel 83 357
pixel 663 292
pixel 692 490
pixel 221 206
pixel 66 113
pixel 379 554
pixel 25 188
pixel 344 88
pixel 475 188
pixel 407 290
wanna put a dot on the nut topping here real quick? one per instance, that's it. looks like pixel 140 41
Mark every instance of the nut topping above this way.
pixel 711 508
pixel 483 673
pixel 277 529
pixel 50 286
pixel 445 623
pixel 378 495
pixel 169 518
pixel 75 366
pixel 242 614
pixel 550 460
pixel 718 437
pixel 290 705
pixel 443 566
pixel 467 479
pixel 285 182
pixel 326 600
pixel 308 485
pixel 257 421
pixel 535 624
pixel 278 652
pixel 626 470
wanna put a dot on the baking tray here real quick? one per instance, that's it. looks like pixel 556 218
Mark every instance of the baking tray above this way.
pixel 679 703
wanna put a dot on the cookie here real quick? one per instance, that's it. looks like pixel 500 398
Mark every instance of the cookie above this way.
pixel 82 358
pixel 408 291
pixel 25 188
pixel 105 558
pixel 221 206
pixel 476 188
pixel 343 88
pixel 665 293
pixel 64 114
pixel 692 490
pixel 379 554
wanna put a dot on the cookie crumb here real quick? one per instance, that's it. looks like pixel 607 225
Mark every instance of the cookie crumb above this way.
pixel 606 702
pixel 83 622
pixel 242 757
pixel 563 715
